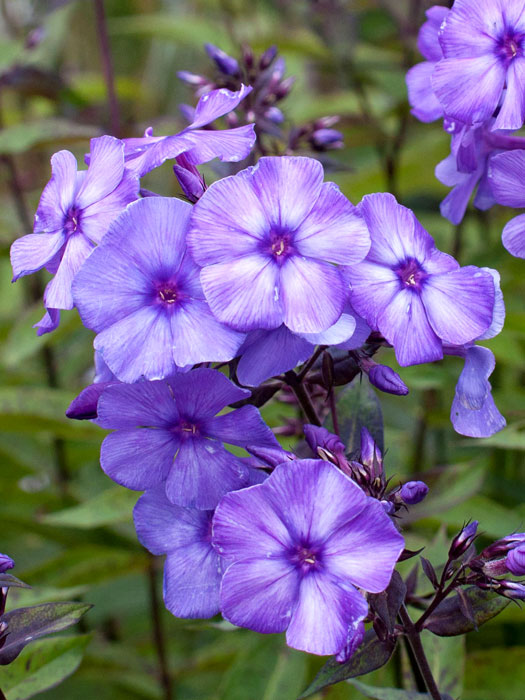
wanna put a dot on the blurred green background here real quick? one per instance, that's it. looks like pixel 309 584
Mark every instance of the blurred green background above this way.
pixel 68 527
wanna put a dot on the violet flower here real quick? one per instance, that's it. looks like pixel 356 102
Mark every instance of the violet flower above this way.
pixel 297 547
pixel 140 292
pixel 483 67
pixel 192 571
pixel 199 145
pixel 508 185
pixel 425 105
pixel 168 431
pixel 269 239
pixel 416 296
pixel 74 213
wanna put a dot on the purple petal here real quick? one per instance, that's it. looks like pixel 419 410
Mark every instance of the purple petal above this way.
pixel 244 293
pixel 427 40
pixel 365 550
pixel 405 325
pixel 32 252
pixel 243 427
pixel 48 323
pixel 203 471
pixel 303 282
pixel 512 112
pixel 59 193
pixel 230 145
pixel 58 294
pixel 341 332
pixel 372 289
pixel 498 316
pixel 360 334
pixel 459 304
pixel 97 218
pixel 144 154
pixel 325 610
pixel 454 206
pixel 333 231
pixel 135 405
pixel 216 103
pixel 106 167
pixel 192 579
pixel 204 392
pixel 268 353
pixel 138 459
pixel 259 594
pixel 425 105
pixel 469 88
pixel 506 178
pixel 513 237
pixel 470 29
pixel 84 406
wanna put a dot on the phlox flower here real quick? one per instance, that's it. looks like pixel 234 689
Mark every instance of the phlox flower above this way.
pixel 74 213
pixel 508 185
pixel 416 296
pixel 268 240
pixel 296 548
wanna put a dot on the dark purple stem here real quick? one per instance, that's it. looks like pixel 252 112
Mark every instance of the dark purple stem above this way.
pixel 107 67
pixel 414 639
pixel 303 397
pixel 333 411
pixel 158 630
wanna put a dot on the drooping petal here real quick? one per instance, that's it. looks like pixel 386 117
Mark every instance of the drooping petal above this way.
pixel 472 387
pixel 506 178
pixel 244 293
pixel 324 611
pixel 58 294
pixel 512 112
pixel 138 459
pixel 454 206
pixel 204 392
pixel 459 304
pixel 131 406
pixel 84 406
pixel 259 594
pixel 313 295
pixel 32 252
pixel 242 427
pixel 48 323
pixel 333 231
pixel 106 167
pixel 425 105
pixel 513 236
pixel 270 353
pixel 192 579
pixel 216 103
pixel 480 423
pixel 405 325
pixel 229 145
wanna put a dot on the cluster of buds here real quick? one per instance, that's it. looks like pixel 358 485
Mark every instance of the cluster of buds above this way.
pixel 265 74
pixel 490 568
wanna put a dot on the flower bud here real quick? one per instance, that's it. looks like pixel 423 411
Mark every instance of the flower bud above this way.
pixel 385 379
pixel 284 87
pixel 267 57
pixel 516 560
pixel 192 78
pixel 463 540
pixel 320 437
pixel 274 115
pixel 323 139
pixel 226 64
pixel 413 492
pixel 497 567
pixel 511 589
pixel 6 563
pixel 503 545
pixel 371 455
pixel 191 184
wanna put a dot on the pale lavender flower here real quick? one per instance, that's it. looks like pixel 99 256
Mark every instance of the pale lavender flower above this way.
pixel 169 431
pixel 74 213
pixel 140 292
pixel 416 296
pixel 297 548
pixel 269 239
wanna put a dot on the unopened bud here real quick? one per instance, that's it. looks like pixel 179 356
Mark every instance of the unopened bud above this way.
pixel 284 87
pixel 247 56
pixel 497 567
pixel 326 122
pixel 385 379
pixel 191 184
pixel 274 115
pixel 226 64
pixel 371 455
pixel 192 78
pixel 463 540
pixel 413 492
pixel 503 545
pixel 320 437
pixel 516 560
pixel 323 139
pixel 511 589
pixel 6 563
pixel 267 57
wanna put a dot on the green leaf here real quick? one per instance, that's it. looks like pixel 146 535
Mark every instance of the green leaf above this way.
pixel 26 624
pixel 22 137
pixel 42 666
pixel 371 655
pixel 358 407
pixel 447 620
pixel 446 656
pixel 7 580
pixel 107 508
pixel 388 693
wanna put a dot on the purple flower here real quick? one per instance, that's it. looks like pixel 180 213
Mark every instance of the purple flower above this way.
pixel 413 492
pixel 516 560
pixel 267 353
pixel 140 292
pixel 74 213
pixel 425 105
pixel 169 431
pixel 296 547
pixel 6 563
pixel 198 144
pixel 508 185
pixel 192 571
pixel 416 296
pixel 267 240
pixel 484 63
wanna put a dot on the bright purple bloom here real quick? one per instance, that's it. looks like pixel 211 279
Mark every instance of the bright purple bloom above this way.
pixel 267 353
pixel 192 571
pixel 269 239
pixel 516 560
pixel 296 548
pixel 170 431
pixel 74 213
pixel 140 292
pixel 6 563
pixel 506 175
pixel 413 492
pixel 483 67
pixel 199 145
pixel 416 296
pixel 425 105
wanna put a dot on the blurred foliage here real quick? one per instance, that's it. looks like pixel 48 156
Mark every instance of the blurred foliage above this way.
pixel 67 526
